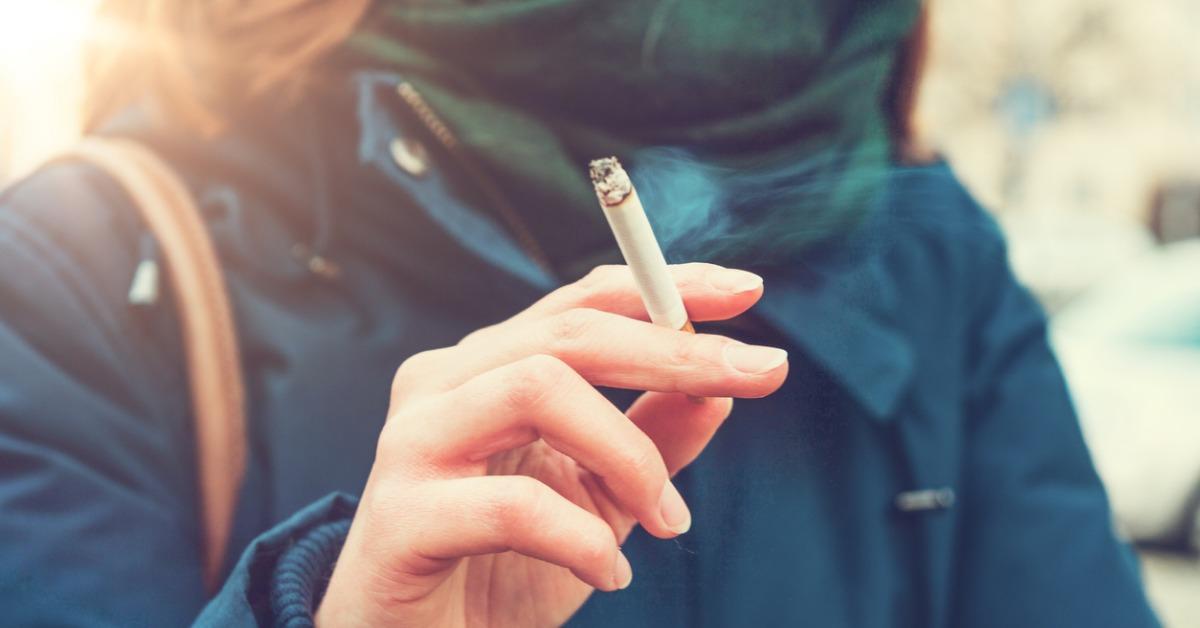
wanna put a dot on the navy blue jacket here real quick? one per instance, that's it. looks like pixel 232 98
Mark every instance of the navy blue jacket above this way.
pixel 922 467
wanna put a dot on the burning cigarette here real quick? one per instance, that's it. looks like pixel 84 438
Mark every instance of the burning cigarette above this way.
pixel 638 245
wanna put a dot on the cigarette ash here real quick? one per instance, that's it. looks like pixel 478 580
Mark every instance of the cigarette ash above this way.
pixel 610 180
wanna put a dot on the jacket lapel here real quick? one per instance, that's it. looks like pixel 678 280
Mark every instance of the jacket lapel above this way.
pixel 842 314
pixel 839 313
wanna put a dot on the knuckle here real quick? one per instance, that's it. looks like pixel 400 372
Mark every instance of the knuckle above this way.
pixel 396 446
pixel 540 366
pixel 481 334
pixel 698 269
pixel 694 275
pixel 568 327
pixel 525 503
pixel 593 288
pixel 698 351
pixel 644 462
pixel 595 547
pixel 390 442
pixel 684 352
pixel 414 368
pixel 530 380
pixel 694 360
pixel 410 438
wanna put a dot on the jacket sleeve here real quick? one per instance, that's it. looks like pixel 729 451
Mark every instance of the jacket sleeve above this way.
pixel 98 518
pixel 282 575
pixel 1037 544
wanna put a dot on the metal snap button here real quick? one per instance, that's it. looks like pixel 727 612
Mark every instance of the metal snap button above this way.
pixel 925 500
pixel 410 155
pixel 316 263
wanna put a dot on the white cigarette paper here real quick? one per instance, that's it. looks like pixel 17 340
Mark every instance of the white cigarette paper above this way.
pixel 629 224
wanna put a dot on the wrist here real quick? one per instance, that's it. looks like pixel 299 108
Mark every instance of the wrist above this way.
pixel 348 599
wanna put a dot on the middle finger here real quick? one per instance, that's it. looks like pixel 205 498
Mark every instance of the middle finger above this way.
pixel 614 351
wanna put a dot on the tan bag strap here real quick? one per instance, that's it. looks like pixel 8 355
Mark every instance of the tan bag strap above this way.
pixel 214 367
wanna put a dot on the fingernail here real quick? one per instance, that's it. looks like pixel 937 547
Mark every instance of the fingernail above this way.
pixel 674 511
pixel 622 572
pixel 754 359
pixel 735 281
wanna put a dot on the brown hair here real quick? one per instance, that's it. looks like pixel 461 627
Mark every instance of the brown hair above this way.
pixel 197 59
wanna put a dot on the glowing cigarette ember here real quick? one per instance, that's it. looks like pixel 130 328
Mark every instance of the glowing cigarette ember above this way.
pixel 638 245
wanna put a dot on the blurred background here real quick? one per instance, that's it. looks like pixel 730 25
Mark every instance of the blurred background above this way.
pixel 1077 122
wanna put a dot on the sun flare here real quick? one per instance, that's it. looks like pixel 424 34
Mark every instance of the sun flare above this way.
pixel 29 31
pixel 40 78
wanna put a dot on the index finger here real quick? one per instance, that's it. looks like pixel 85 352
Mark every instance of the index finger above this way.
pixel 710 293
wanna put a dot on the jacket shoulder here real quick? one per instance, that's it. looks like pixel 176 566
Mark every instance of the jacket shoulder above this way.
pixel 76 209
pixel 934 209
pixel 70 242
pixel 940 236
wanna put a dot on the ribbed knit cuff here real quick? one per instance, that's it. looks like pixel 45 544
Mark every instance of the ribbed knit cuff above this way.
pixel 302 573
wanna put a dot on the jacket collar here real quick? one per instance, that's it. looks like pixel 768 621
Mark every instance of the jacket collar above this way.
pixel 840 309
pixel 377 98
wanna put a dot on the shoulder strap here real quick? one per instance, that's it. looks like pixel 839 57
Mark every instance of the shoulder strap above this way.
pixel 206 320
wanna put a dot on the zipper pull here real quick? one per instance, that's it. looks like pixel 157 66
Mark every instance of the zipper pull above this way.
pixel 144 289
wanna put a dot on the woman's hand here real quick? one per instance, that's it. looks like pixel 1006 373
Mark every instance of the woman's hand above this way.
pixel 504 482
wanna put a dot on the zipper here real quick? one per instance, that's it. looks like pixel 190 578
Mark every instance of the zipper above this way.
pixel 144 289
pixel 517 226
